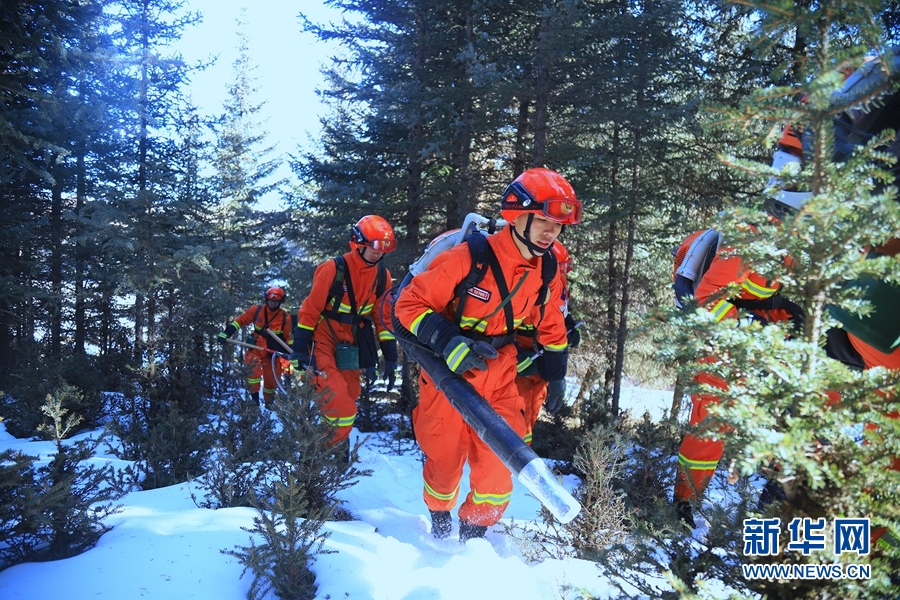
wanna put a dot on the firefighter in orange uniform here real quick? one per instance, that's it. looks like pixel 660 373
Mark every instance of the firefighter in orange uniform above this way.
pixel 759 299
pixel 699 456
pixel 532 387
pixel 268 315
pixel 334 333
pixel 478 345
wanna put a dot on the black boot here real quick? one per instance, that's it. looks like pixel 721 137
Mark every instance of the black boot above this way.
pixel 685 512
pixel 467 531
pixel 440 523
pixel 342 452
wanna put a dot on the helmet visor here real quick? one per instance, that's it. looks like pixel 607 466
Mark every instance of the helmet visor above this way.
pixel 385 245
pixel 563 211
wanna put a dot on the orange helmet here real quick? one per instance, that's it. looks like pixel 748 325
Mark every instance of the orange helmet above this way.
pixel 790 141
pixel 544 191
pixel 563 259
pixel 374 232
pixel 275 293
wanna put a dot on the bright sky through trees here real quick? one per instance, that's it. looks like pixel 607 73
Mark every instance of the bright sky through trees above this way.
pixel 287 64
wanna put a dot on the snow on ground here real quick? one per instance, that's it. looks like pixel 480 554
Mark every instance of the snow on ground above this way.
pixel 163 546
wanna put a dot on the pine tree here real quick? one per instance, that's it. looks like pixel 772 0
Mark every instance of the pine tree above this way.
pixel 57 510
pixel 247 241
pixel 304 474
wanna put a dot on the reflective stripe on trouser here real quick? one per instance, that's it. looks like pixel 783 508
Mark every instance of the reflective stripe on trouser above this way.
pixel 343 389
pixel 448 442
pixel 260 364
pixel 698 456
pixel 533 390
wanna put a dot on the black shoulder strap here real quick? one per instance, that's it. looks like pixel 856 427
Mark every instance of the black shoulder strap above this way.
pixel 337 286
pixel 549 267
pixel 503 289
pixel 380 280
pixel 478 249
pixel 256 314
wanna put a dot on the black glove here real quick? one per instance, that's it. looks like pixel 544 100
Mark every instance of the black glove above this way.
pixel 299 360
pixel 556 391
pixel 389 350
pixel 371 374
pixel 573 336
pixel 390 374
pixel 300 356
pixel 226 333
pixel 463 354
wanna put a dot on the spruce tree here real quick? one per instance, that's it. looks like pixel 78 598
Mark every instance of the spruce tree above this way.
pixel 54 510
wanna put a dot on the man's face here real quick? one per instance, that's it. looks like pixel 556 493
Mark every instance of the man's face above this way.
pixel 543 232
pixel 272 303
pixel 371 255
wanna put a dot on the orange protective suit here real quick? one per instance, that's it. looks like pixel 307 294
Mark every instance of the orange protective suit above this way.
pixel 260 361
pixel 699 456
pixel 445 438
pixel 532 387
pixel 343 386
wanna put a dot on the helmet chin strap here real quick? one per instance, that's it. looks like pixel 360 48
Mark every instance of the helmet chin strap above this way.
pixel 362 255
pixel 533 249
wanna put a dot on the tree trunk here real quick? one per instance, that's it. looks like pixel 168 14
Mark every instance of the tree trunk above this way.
pixel 677 398
pixel 55 304
pixel 622 333
pixel 541 102
pixel 519 154
pixel 79 316
pixel 612 289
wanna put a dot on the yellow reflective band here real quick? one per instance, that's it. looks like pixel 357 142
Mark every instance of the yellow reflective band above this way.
pixel 721 309
pixel 517 322
pixel 697 465
pixel 385 336
pixel 253 380
pixel 268 390
pixel 528 327
pixel 235 325
pixel 366 309
pixel 473 323
pixel 887 541
pixel 557 347
pixel 344 308
pixel 524 365
pixel 305 327
pixel 758 290
pixel 528 437
pixel 340 421
pixel 445 497
pixel 457 356
pixel 414 327
pixel 492 499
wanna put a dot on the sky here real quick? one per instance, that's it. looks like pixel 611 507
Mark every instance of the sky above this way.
pixel 287 64
pixel 163 546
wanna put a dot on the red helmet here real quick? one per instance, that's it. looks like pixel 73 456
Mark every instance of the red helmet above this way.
pixel 563 259
pixel 374 232
pixel 275 293
pixel 541 190
pixel 790 141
